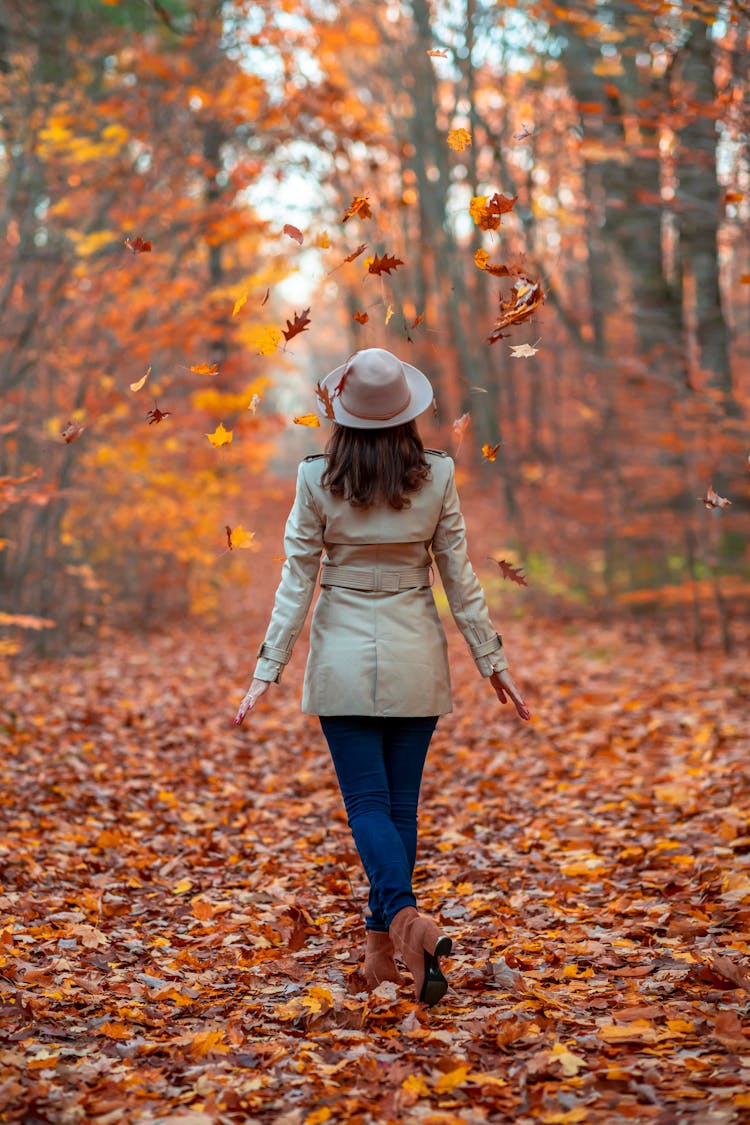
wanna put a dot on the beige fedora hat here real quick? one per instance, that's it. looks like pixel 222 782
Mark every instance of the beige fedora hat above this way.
pixel 375 389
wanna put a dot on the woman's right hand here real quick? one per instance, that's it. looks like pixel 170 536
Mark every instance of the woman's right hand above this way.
pixel 506 689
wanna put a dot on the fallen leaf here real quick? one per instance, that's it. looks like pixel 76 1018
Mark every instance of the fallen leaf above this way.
pixel 182 887
pixel 452 1079
pixel 569 1062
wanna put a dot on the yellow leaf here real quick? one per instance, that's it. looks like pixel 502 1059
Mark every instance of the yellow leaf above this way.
pixel 415 1084
pixel 742 1101
pixel 571 1117
pixel 388 313
pixel 458 139
pixel 683 1027
pixel 241 300
pixel 569 1062
pixel 452 1079
pixel 114 1030
pixel 207 1041
pixel 306 420
pixel 265 338
pixel 318 1116
pixel 323 241
pixel 636 1029
pixel 182 887
pixel 241 538
pixel 489 452
pixel 137 386
pixel 476 209
pixel 481 258
pixel 205 368
pixel 220 436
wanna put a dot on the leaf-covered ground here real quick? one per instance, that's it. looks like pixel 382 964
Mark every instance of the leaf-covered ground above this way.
pixel 181 905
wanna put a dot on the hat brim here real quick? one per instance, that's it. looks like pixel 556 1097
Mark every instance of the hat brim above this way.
pixel 420 389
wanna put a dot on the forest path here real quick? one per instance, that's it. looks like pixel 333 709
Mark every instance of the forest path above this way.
pixel 181 904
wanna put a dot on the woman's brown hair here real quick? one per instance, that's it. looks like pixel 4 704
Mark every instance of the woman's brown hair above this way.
pixel 367 467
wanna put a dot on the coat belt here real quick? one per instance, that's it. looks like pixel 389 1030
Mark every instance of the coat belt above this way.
pixel 374 578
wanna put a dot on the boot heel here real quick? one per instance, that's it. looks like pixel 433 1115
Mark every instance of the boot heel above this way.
pixel 435 985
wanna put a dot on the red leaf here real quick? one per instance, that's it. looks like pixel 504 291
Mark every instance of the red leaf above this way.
pixel 513 573
pixel 138 246
pixel 299 324
pixel 384 264
pixel 294 232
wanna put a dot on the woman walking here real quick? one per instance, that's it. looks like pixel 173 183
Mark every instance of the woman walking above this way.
pixel 377 673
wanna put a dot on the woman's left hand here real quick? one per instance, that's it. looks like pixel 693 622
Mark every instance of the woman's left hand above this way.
pixel 257 688
pixel 505 689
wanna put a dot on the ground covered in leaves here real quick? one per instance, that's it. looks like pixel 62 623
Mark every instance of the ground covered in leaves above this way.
pixel 181 905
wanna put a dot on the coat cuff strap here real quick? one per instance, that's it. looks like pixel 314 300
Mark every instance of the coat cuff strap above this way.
pixel 271 652
pixel 494 644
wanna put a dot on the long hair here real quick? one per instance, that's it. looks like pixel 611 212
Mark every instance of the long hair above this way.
pixel 367 467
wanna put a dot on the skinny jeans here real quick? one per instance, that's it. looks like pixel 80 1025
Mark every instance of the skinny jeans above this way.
pixel 379 764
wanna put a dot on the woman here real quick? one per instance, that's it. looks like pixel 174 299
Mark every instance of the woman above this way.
pixel 377 675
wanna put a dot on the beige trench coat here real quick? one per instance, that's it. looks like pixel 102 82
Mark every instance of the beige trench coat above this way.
pixel 377 651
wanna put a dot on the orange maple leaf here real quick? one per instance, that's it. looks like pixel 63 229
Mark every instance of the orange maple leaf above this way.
pixel 293 327
pixel 458 139
pixel 205 368
pixel 359 206
pixel 306 420
pixel 489 452
pixel 384 263
pixel 361 317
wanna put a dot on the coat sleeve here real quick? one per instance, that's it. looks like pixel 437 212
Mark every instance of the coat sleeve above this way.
pixel 303 544
pixel 462 588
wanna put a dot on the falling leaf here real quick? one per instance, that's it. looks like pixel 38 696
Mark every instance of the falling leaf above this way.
pixel 323 240
pixel 138 246
pixel 713 500
pixel 388 313
pixel 294 232
pixel 438 54
pixel 482 261
pixel 254 403
pixel 458 139
pixel 361 317
pixel 359 206
pixel 461 424
pixel 481 258
pixel 326 398
pixel 745 279
pixel 238 304
pixel 487 212
pixel 523 301
pixel 207 1041
pixel 300 324
pixel 356 253
pixel 137 386
pixel 239 538
pixel 306 420
pixel 734 196
pixel 265 298
pixel 220 436
pixel 525 132
pixel 522 351
pixel 265 338
pixel 205 368
pixel 70 431
pixel 384 264
pixel 489 452
pixel 417 321
pixel 513 573
pixel 157 415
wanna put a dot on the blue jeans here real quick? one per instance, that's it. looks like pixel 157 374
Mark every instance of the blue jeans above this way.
pixel 379 765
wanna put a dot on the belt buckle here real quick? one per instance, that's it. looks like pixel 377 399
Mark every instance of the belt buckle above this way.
pixel 389 580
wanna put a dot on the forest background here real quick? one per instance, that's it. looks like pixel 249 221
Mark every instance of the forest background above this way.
pixel 186 188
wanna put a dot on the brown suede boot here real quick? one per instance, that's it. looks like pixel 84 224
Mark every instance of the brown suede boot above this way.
pixel 419 943
pixel 379 963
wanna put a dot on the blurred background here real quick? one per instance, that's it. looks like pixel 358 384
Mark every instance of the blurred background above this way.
pixel 152 153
